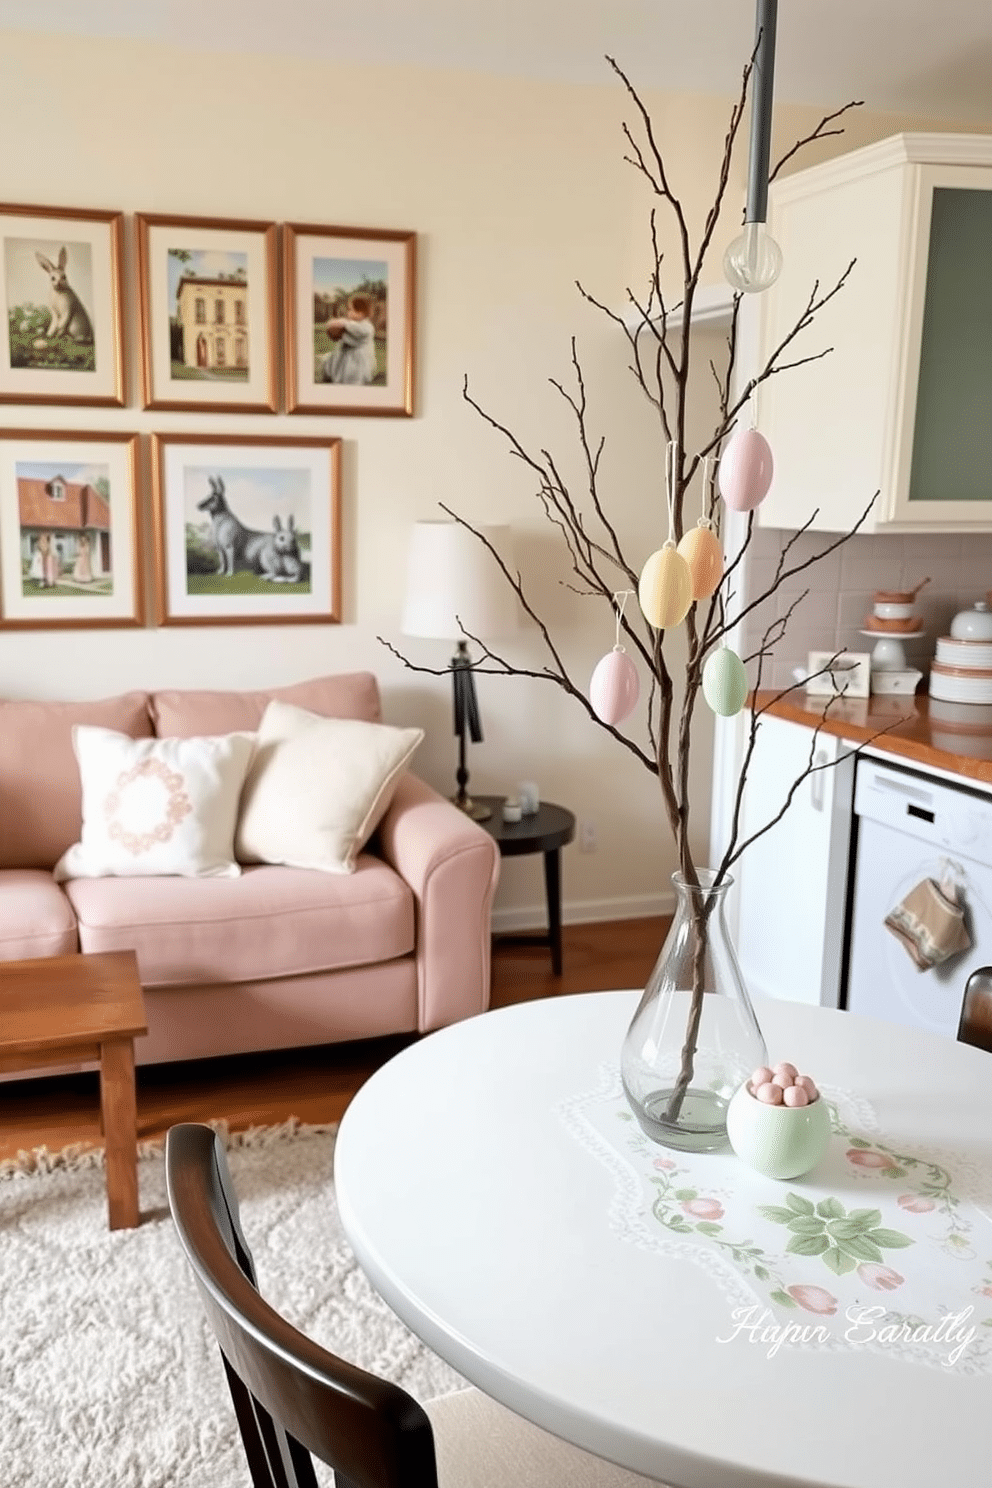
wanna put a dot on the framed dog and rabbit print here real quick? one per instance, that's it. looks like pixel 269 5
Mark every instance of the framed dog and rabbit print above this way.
pixel 247 530
pixel 61 278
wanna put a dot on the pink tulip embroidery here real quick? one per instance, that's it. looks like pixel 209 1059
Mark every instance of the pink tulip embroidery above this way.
pixel 915 1203
pixel 880 1278
pixel 665 1164
pixel 703 1208
pixel 813 1299
pixel 866 1159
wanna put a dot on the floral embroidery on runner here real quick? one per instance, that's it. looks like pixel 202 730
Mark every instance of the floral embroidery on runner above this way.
pixel 176 807
pixel 904 1268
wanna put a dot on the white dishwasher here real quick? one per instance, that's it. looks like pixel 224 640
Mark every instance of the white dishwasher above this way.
pixel 910 828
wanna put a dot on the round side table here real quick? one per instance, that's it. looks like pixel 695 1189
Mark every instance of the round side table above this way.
pixel 547 831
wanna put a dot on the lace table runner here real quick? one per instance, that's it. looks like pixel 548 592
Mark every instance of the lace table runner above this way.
pixel 878 1248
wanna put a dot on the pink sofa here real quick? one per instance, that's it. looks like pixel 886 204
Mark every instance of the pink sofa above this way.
pixel 280 957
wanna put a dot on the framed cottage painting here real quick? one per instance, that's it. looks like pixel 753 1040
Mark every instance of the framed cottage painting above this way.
pixel 348 307
pixel 70 538
pixel 247 530
pixel 61 281
pixel 208 290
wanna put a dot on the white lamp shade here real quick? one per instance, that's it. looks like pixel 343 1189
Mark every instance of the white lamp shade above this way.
pixel 455 586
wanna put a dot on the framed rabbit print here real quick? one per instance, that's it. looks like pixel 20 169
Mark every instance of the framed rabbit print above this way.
pixel 70 530
pixel 348 307
pixel 247 530
pixel 61 277
pixel 209 317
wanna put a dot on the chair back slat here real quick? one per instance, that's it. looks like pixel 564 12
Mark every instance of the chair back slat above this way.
pixel 295 1397
pixel 976 1010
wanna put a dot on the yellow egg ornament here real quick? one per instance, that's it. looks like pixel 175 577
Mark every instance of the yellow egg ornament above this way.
pixel 700 547
pixel 724 682
pixel 665 589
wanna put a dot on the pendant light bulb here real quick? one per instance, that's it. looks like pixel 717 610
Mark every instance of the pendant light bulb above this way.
pixel 754 260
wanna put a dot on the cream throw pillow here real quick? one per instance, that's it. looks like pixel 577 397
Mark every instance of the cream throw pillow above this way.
pixel 318 787
pixel 156 806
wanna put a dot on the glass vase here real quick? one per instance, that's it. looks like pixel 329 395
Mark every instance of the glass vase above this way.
pixel 694 1038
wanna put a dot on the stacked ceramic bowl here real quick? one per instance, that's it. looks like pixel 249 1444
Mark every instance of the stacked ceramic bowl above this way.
pixel 962 668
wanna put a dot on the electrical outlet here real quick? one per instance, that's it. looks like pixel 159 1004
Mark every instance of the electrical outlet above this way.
pixel 587 837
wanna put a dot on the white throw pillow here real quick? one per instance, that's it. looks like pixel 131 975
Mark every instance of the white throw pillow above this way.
pixel 156 806
pixel 318 787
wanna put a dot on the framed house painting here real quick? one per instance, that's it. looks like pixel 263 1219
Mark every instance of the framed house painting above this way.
pixel 247 530
pixel 61 278
pixel 70 530
pixel 348 311
pixel 208 290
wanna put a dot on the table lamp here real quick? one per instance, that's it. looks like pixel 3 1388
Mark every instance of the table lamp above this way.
pixel 456 588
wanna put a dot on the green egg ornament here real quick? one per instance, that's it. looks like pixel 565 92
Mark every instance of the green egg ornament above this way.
pixel 724 682
pixel 665 589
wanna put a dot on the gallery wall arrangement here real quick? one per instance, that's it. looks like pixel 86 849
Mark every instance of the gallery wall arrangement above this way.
pixel 245 529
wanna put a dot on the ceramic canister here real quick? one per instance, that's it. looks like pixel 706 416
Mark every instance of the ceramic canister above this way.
pixel 745 470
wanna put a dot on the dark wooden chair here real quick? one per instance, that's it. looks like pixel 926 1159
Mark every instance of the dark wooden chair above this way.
pixel 975 1026
pixel 293 1398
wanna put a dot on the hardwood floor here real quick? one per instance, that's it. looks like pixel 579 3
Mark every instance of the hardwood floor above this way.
pixel 314 1085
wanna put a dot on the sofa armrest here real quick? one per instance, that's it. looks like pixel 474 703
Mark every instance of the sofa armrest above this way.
pixel 452 866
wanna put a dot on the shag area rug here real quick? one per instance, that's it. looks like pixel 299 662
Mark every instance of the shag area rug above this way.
pixel 109 1375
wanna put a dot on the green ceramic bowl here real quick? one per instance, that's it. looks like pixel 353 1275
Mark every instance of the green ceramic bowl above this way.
pixel 779 1141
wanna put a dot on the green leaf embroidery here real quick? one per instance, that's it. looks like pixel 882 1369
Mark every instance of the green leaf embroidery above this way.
pixel 783 1299
pixel 806 1224
pixel 859 1142
pixel 808 1245
pixel 893 1172
pixel 799 1205
pixel 762 1275
pixel 839 1261
pixel 831 1209
pixel 709 1227
pixel 868 1216
pixel 684 1194
pixel 861 1248
pixel 777 1215
pixel 847 1229
pixel 891 1239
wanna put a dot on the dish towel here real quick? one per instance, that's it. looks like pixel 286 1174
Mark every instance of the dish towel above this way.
pixel 930 921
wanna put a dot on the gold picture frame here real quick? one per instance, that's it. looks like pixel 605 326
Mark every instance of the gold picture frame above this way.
pixel 349 301
pixel 208 292
pixel 71 552
pixel 61 283
pixel 247 529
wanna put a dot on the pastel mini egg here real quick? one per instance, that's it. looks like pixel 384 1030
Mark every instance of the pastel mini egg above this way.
pixel 745 470
pixel 665 589
pixel 786 1069
pixel 795 1096
pixel 761 1076
pixel 770 1095
pixel 615 687
pixel 803 1082
pixel 700 547
pixel 724 682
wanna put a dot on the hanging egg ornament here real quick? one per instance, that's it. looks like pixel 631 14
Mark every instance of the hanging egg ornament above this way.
pixel 745 470
pixel 665 589
pixel 615 687
pixel 700 547
pixel 724 682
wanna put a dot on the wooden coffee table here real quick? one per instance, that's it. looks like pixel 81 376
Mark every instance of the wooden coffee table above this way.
pixel 67 1009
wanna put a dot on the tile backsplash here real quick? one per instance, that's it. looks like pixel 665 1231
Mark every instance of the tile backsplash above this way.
pixel 841 585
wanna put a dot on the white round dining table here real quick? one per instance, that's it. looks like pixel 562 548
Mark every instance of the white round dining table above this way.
pixel 634 1300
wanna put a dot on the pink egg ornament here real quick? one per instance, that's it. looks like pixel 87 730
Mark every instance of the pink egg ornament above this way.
pixel 745 471
pixel 615 687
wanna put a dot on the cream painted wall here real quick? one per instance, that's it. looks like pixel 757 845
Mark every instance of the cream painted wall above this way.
pixel 516 189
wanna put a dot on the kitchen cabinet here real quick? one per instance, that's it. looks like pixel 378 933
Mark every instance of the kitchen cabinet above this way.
pixel 902 400
pixel 792 881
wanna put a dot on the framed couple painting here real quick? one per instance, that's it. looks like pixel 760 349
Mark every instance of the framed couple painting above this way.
pixel 208 290
pixel 61 281
pixel 70 530
pixel 348 319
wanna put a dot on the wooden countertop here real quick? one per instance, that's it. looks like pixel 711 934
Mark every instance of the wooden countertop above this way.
pixel 960 741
